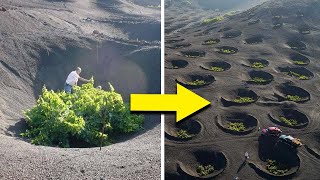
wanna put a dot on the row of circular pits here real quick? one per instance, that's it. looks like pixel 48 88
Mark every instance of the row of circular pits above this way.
pixel 197 81
pixel 256 77
pixel 296 45
pixel 218 160
pixel 193 127
pixel 187 168
pixel 296 58
pixel 277 23
pixel 179 63
pixel 283 92
pixel 251 40
pixel 256 39
pixel 193 81
pixel 216 66
pixel 201 53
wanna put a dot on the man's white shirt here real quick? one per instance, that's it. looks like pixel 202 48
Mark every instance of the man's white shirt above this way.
pixel 72 78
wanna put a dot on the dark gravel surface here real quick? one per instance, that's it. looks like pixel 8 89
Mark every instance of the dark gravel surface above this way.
pixel 40 42
pixel 138 158
pixel 184 25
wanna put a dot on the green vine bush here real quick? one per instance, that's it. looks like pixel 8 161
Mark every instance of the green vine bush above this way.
pixel 203 170
pixel 236 126
pixel 290 122
pixel 276 168
pixel 197 82
pixel 183 134
pixel 243 100
pixel 89 116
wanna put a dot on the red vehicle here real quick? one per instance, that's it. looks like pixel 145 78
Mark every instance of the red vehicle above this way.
pixel 271 131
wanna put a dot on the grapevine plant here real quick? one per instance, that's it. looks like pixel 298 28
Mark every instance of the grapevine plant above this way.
pixel 183 134
pixel 197 82
pixel 203 170
pixel 89 116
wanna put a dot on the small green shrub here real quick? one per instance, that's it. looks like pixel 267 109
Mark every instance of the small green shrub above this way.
pixel 197 82
pixel 89 115
pixel 258 65
pixel 243 100
pixel 290 122
pixel 210 42
pixel 212 20
pixel 216 69
pixel 183 134
pixel 295 98
pixel 276 168
pixel 299 76
pixel 259 80
pixel 297 62
pixel 239 127
pixel 205 170
pixel 227 51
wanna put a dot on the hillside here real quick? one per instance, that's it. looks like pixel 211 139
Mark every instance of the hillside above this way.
pixel 254 66
pixel 41 42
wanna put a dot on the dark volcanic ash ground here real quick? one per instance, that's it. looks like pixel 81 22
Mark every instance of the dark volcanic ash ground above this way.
pixel 275 33
pixel 41 41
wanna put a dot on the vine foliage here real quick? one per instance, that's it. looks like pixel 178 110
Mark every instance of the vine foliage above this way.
pixel 89 116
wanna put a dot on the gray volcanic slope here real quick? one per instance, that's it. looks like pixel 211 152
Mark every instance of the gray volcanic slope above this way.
pixel 41 41
pixel 277 34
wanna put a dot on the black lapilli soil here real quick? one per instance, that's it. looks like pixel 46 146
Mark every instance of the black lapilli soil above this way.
pixel 264 69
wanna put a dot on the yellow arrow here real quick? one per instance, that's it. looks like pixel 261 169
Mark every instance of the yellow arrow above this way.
pixel 185 102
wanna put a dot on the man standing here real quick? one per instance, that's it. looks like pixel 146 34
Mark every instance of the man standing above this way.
pixel 246 155
pixel 72 80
